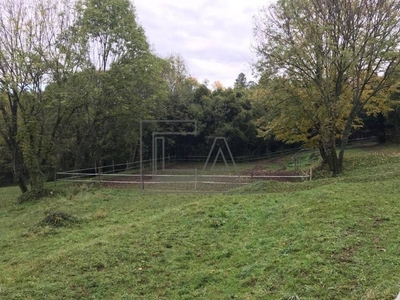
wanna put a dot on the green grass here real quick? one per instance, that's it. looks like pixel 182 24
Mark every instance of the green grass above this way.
pixel 332 238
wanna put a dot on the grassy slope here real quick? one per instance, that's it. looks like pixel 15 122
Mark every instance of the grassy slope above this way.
pixel 328 239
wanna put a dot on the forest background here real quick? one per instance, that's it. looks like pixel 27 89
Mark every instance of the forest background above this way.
pixel 76 78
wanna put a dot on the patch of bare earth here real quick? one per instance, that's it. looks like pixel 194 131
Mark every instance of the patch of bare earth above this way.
pixel 278 175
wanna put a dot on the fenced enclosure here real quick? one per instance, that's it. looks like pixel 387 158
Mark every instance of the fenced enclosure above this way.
pixel 195 174
pixel 161 170
pixel 164 167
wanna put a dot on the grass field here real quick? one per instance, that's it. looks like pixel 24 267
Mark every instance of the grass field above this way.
pixel 332 238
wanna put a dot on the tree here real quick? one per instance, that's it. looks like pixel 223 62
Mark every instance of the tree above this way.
pixel 109 31
pixel 121 84
pixel 181 88
pixel 217 85
pixel 334 58
pixel 241 81
pixel 31 57
pixel 392 119
pixel 228 113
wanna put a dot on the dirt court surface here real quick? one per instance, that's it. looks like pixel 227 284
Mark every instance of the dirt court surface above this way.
pixel 258 170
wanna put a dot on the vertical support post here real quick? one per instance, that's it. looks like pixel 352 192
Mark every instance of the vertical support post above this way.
pixel 55 176
pixel 230 153
pixel 162 139
pixel 98 173
pixel 113 167
pixel 310 173
pixel 153 154
pixel 209 154
pixel 195 179
pixel 163 153
pixel 141 155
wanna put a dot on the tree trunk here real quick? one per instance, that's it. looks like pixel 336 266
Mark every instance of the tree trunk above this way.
pixel 323 154
pixel 19 170
pixel 37 181
pixel 22 184
pixel 331 157
pixel 345 140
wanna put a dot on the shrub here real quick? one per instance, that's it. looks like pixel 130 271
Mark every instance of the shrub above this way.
pixel 33 195
pixel 58 219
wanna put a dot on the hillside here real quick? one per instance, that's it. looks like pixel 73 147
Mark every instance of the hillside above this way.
pixel 332 238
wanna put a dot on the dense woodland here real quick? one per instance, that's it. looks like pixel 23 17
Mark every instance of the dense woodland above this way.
pixel 76 78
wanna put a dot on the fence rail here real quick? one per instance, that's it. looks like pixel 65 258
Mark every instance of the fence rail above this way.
pixel 193 182
pixel 184 179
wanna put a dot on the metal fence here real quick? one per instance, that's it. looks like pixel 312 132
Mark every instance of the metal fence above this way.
pixel 179 175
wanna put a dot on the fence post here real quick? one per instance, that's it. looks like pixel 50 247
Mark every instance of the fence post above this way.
pixel 113 167
pixel 55 176
pixel 310 173
pixel 195 179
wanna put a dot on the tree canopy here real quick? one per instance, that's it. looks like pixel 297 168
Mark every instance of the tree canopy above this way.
pixel 71 76
pixel 76 78
pixel 331 60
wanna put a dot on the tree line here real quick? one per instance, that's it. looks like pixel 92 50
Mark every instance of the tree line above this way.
pixel 76 78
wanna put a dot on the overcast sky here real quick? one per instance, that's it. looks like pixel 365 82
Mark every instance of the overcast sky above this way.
pixel 213 36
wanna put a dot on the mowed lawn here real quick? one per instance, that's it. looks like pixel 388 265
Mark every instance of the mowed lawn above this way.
pixel 332 238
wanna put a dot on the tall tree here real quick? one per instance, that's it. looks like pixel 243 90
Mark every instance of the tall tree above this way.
pixel 181 87
pixel 335 56
pixel 228 113
pixel 125 80
pixel 30 59
pixel 110 31
pixel 241 81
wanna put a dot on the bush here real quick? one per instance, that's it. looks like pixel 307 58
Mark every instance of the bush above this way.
pixel 33 195
pixel 58 219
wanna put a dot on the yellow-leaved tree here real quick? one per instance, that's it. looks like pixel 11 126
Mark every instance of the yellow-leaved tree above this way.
pixel 325 62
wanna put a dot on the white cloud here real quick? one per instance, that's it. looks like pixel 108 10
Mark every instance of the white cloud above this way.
pixel 214 37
